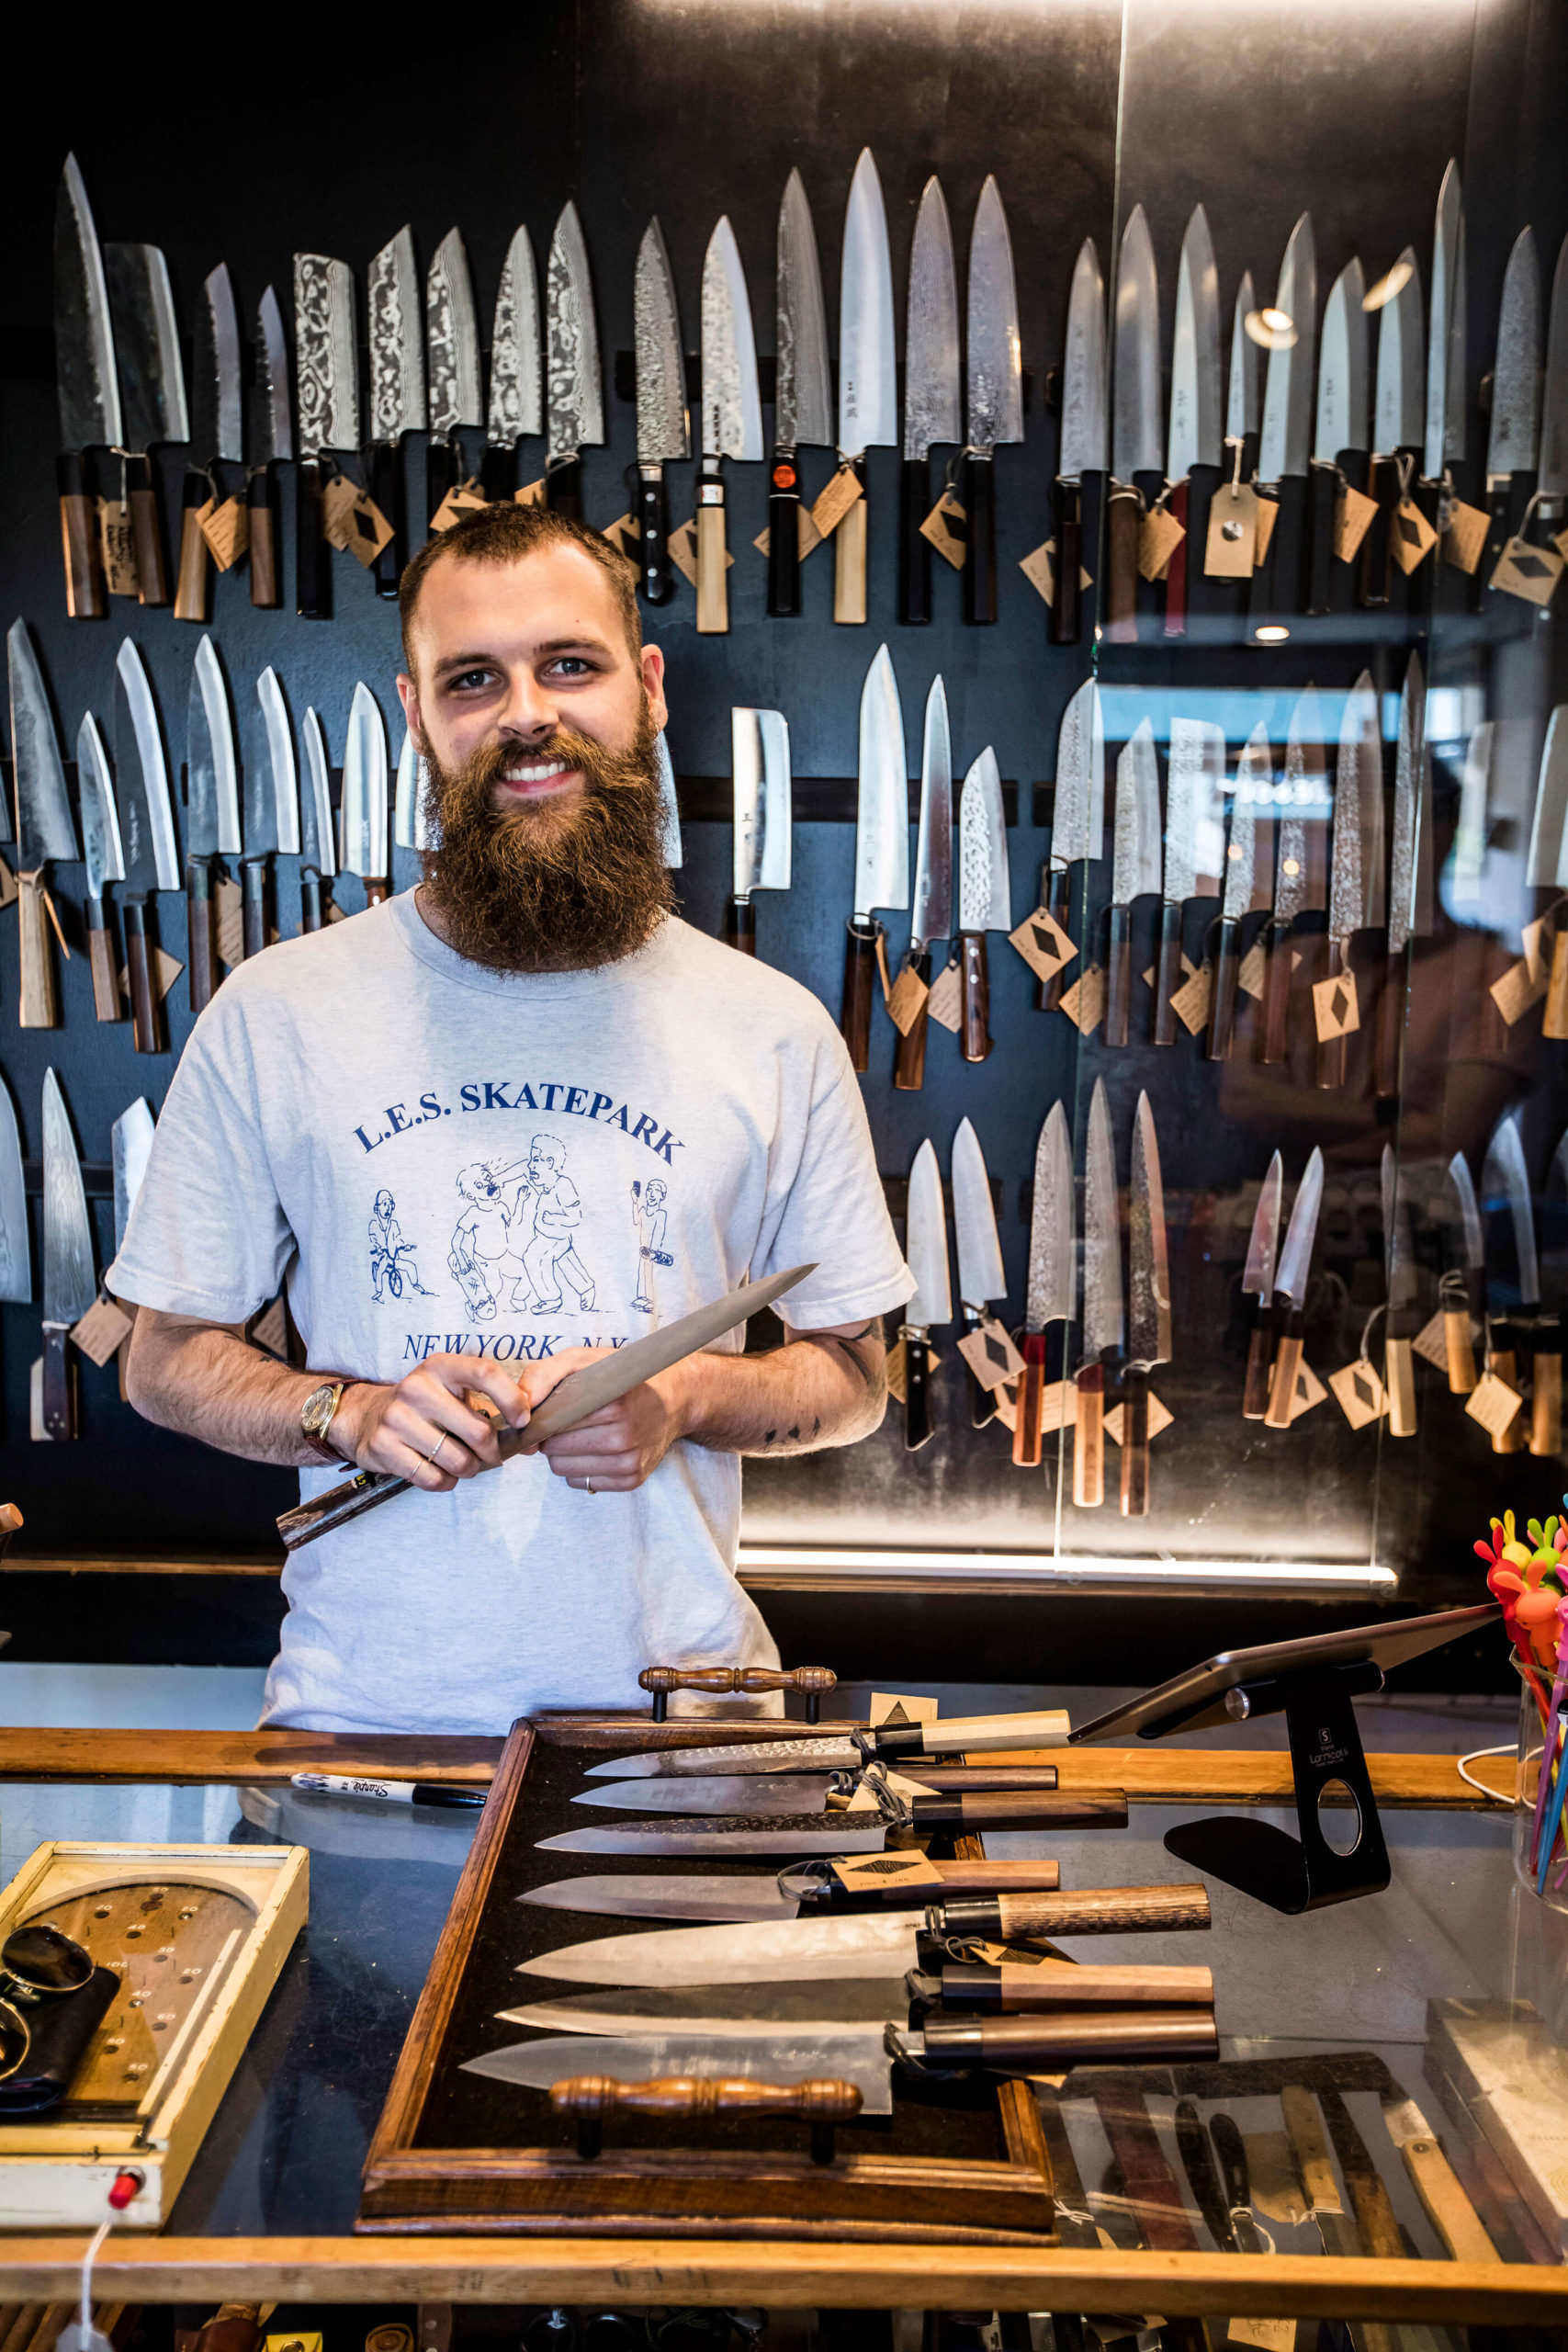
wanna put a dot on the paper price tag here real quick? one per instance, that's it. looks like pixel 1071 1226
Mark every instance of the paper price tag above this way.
pixel 531 494
pixel 1539 938
pixel 9 890
pixel 1352 520
pixel 883 974
pixel 1528 572
pixel 1494 1404
pixel 1188 968
pixel 165 973
pixel 1465 537
pixel 1253 971
pixel 1310 1390
pixel 1191 1002
pixel 228 899
pixel 1359 1392
pixel 1559 541
pixel 1430 1342
pixel 835 502
pixel 807 536
pixel 1160 1418
pixel 1007 1405
pixel 1411 537
pixel 1519 988
pixel 466 499
pixel 1267 515
pixel 270 1330
pixel 1084 1002
pixel 116 546
pixel 354 524
pixel 226 527
pixel 899 1707
pixel 1160 536
pixel 1230 549
pixel 874 1871
pixel 684 551
pixel 907 994
pixel 947 528
pixel 1044 947
pixel 1039 567
pixel 990 1354
pixel 101 1330
pixel 945 1003
pixel 1336 1008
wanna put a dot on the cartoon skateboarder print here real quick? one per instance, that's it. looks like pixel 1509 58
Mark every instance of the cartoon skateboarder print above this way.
pixel 649 1217
pixel 550 1257
pixel 392 1266
pixel 489 1239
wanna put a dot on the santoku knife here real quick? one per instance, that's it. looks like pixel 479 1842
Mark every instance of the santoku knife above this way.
pixel 456 396
pixel 1102 1321
pixel 994 398
pixel 103 861
pixel 70 1284
pixel 326 376
pixel 1340 425
pixel 270 438
pixel 925 1248
pixel 147 839
pixel 867 374
pixel 1049 1297
pixel 397 392
pixel 984 897
pixel 759 754
pixel 574 393
pixel 1135 421
pixel 882 846
pixel 663 431
pixel 89 387
pixel 1148 1320
pixel 365 845
pixel 1290 1294
pixel 932 907
pixel 1134 868
pixel 803 398
pixel 980 1275
pixel 930 391
pixel 318 861
pixel 1248 879
pixel 1193 435
pixel 732 415
pixel 213 814
pixel 1258 1284
pixel 151 391
pixel 1084 435
pixel 44 831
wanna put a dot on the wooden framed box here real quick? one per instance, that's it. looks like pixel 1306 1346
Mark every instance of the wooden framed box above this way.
pixel 197 1935
pixel 962 2163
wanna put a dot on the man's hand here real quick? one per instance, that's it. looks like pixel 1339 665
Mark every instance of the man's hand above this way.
pixel 422 1430
pixel 621 1444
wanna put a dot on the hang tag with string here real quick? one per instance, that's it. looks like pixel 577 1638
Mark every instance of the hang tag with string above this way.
pixel 1160 536
pixel 1464 530
pixel 1232 525
pixel 80 2334
pixel 947 525
pixel 1525 570
pixel 1352 520
pixel 1357 1386
pixel 1411 537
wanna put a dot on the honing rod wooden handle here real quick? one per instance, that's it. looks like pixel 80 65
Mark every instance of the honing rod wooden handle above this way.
pixel 590 2097
pixel 811 1682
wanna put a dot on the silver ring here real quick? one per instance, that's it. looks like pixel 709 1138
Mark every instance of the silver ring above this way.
pixel 435 1448
pixel 589 1484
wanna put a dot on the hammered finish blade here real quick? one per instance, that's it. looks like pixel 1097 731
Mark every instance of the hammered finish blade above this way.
pixel 995 378
pixel 280 760
pixel 87 379
pixel 1355 887
pixel 1401 339
pixel 930 334
pixel 1135 842
pixel 44 830
pixel 101 853
pixel 1410 865
pixel 933 915
pixel 1446 331
pixel 1194 437
pixel 1084 425
pixel 452 339
pixel 1302 881
pixel 803 410
pixel 152 854
pixel 228 440
pixel 732 415
pixel 397 348
pixel 882 816
pixel 574 396
pixel 1078 829
pixel 365 788
pixel 762 800
pixel 1506 1186
pixel 663 436
pixel 984 888
pixel 1255 788
pixel 516 404
pixel 867 374
pixel 16 1259
pixel 147 347
pixel 1134 392
pixel 980 1274
pixel 1295 1263
pixel 1286 397
pixel 325 363
pixel 70 1284
pixel 1257 1275
pixel 925 1243
pixel 1049 1297
pixel 1102 1321
pixel 1552 482
pixel 1195 810
pixel 131 1142
pixel 212 776
pixel 1516 382
pixel 321 836
pixel 272 418
pixel 1341 421
pixel 1549 851
pixel 1241 383
pixel 1148 1270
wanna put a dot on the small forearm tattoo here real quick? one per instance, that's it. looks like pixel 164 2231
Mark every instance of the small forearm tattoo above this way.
pixel 867 1361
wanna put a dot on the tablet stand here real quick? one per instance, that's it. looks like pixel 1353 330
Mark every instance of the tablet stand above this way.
pixel 1290 1873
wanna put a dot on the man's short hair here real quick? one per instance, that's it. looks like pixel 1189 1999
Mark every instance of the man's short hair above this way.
pixel 505 534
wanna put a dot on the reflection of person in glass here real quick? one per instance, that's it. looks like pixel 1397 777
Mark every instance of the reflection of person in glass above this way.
pixel 649 1217
pixel 391 1258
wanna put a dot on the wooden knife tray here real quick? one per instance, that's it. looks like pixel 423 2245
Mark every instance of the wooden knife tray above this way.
pixel 963 2163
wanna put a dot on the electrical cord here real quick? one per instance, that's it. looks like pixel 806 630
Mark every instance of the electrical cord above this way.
pixel 1508 1748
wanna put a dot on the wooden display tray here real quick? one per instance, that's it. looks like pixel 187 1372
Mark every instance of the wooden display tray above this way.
pixel 56 2169
pixel 415 2179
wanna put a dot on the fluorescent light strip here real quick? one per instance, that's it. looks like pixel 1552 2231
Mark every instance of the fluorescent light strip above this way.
pixel 770 1561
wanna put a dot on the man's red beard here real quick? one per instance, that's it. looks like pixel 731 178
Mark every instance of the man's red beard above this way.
pixel 564 883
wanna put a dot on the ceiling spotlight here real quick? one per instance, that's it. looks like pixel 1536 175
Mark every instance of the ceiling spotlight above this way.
pixel 1275 330
pixel 1270 633
pixel 1398 278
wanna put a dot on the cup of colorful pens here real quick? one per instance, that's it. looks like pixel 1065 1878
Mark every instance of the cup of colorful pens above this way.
pixel 1528 1575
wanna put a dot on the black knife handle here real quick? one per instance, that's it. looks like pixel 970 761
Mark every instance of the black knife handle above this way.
pixel 860 983
pixel 202 930
pixel 909 1057
pixel 1323 506
pixel 146 1016
pixel 440 477
pixel 1259 1363
pixel 916 1390
pixel 260 503
pixel 1134 1441
pixel 741 926
pixel 311 893
pixel 1274 1036
pixel 1176 570
pixel 190 587
pixel 1067 612
pixel 1167 973
pixel 982 1401
pixel 1048 994
pixel 100 954
pixel 1231 2153
pixel 563 488
pixel 784 537
pixel 1221 996
pixel 498 472
pixel 1375 577
pixel 85 595
pixel 654 575
pixel 147 530
pixel 312 565
pixel 974 987
pixel 254 877
pixel 386 488
pixel 1499 501
pixel 980 559
pixel 59 1401
pixel 1261 589
pixel 914 548
pixel 1391 1026
pixel 1123 526
pixel 1118 975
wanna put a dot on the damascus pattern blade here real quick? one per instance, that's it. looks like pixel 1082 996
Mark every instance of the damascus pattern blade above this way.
pixel 516 405
pixel 397 355
pixel 574 401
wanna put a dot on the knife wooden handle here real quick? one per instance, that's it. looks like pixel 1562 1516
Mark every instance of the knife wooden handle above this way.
pixel 1125 2037
pixel 1085 1911
pixel 201 924
pixel 712 587
pixel 1151 2191
pixel 914 548
pixel 1027 1434
pixel 1287 1365
pixel 1458 1340
pixel 1391 1027
pixel 918 1428
pixel 1501 1359
pixel 1089 1438
pixel 563 487
pixel 1176 570
pixel 1546 1389
pixel 849 556
pixel 1134 1442
pixel 1167 973
pixel 146 528
pixel 784 537
pixel 190 588
pixel 1399 1379
pixel 38 1007
pixel 312 569
pixel 1222 995
pixel 386 488
pixel 1373 2208
pixel 1323 509
pixel 1555 1018
pixel 146 1021
pixel 822 2101
pixel 1048 994
pixel 975 985
pixel 313 909
pixel 980 546
pixel 1022 1986
pixel 860 983
pixel 85 595
pixel 1444 2202
pixel 1274 1036
pixel 910 1054
pixel 741 926
pixel 1330 1066
pixel 1000 1809
pixel 1118 975
pixel 440 479
pixel 1376 576
pixel 1066 611
pixel 1126 523
pixel 100 955
pixel 261 514
pixel 253 879
pixel 376 888
pixel 752 1682
pixel 1259 1363
pixel 59 1400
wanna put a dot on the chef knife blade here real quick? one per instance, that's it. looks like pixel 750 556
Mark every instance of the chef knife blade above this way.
pixel 1134 868
pixel 1409 873
pixel 882 846
pixel 131 1140
pixel 1242 403
pixel 217 433
pixel 326 381
pixel 1077 815
pixel 574 394
pixel 1193 435
pixel 319 846
pixel 1248 875
pixel 980 1275
pixel 1301 870
pixel 1355 884
pixel 670 851
pixel 930 391
pixel 515 404
pixel 147 837
pixel 44 830
pixel 1284 443
pixel 89 387
pixel 803 400
pixel 397 403
pixel 867 373
pixel 1051 1284
pixel 152 392
pixel 1397 424
pixel 760 755
pixel 1446 334
pixel 1514 440
pixel 70 1284
pixel 103 861
pixel 1148 1300
pixel 1513 1276
pixel 1134 420
pixel 984 897
pixel 413 824
pixel 663 435
pixel 932 906
pixel 212 813
pixel 1340 423
pixel 732 415
pixel 925 1248
pixel 365 847
pixel 994 394
pixel 1102 1319
pixel 1084 429
pixel 270 436
pixel 755 1793
pixel 456 396
pixel 271 810
pixel 1289 1292
pixel 1258 1284
pixel 15 1265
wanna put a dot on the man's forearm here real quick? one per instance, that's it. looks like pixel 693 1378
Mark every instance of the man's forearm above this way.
pixel 827 1389
pixel 212 1384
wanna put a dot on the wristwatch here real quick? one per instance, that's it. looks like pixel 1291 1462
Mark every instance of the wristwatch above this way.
pixel 315 1419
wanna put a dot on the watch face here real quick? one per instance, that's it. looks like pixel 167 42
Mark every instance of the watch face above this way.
pixel 319 1406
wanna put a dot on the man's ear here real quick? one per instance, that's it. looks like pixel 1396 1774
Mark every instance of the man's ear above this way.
pixel 408 695
pixel 653 684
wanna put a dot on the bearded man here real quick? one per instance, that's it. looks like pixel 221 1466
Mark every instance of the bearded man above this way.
pixel 540 968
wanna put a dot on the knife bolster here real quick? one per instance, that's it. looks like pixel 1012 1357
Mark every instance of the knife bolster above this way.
pixel 84 591
pixel 39 1006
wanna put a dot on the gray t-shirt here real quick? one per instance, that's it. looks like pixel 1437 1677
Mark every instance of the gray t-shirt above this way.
pixel 438 1156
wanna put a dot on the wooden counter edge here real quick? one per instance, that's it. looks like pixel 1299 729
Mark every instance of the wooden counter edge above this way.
pixel 777 2272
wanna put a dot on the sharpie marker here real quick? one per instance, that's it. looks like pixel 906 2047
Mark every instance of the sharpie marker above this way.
pixel 339 1784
